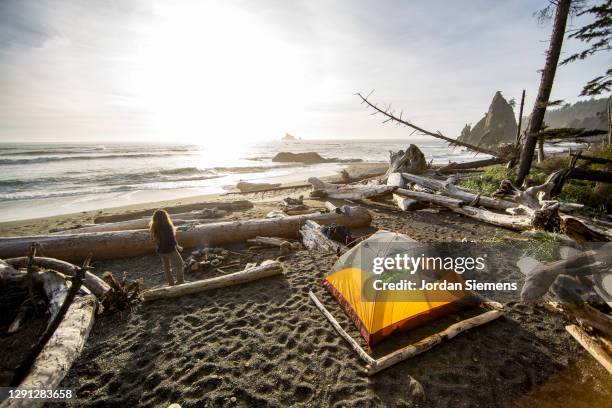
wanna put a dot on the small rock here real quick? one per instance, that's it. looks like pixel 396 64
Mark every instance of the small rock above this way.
pixel 233 399
pixel 415 389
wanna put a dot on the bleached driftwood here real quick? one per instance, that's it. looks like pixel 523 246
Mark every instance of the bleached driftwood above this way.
pixel 431 341
pixel 590 345
pixel 284 245
pixel 322 189
pixel 122 244
pixel 354 345
pixel 404 203
pixel 374 366
pixel 64 346
pixel 451 190
pixel 219 205
pixel 314 239
pixel 266 269
pixel 97 286
pixel 540 278
pixel 513 222
pixel 140 223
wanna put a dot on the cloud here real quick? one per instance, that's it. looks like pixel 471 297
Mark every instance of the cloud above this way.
pixel 244 70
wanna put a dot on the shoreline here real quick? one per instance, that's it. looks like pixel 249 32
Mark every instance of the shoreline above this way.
pixel 45 224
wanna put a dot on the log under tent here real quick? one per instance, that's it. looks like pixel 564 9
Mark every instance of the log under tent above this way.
pixel 124 244
pixel 374 366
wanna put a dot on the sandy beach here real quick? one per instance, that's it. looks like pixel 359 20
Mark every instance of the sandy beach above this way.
pixel 265 344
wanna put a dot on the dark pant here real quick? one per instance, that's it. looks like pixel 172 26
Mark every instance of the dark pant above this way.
pixel 173 260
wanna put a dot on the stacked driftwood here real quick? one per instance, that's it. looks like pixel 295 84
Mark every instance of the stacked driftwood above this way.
pixel 70 304
pixel 575 287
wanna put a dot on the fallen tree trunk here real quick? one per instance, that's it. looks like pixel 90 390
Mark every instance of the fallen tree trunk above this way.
pixel 451 167
pixel 140 223
pixel 95 284
pixel 513 222
pixel 266 269
pixel 540 279
pixel 404 203
pixel 591 346
pixel 321 189
pixel 314 239
pixel 590 175
pixel 221 205
pixel 452 190
pixel 123 244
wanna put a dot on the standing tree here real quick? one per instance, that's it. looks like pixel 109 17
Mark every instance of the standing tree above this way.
pixel 546 83
pixel 598 35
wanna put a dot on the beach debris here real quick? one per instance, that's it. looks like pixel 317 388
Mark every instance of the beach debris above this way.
pixel 123 293
pixel 266 269
pixel 321 189
pixel 415 388
pixel 227 206
pixel 143 223
pixel 48 361
pixel 284 245
pixel 295 206
pixel 96 285
pixel 410 161
pixel 374 366
pixel 403 203
pixel 591 345
pixel 314 238
pixel 205 259
pixel 246 187
pixel 122 244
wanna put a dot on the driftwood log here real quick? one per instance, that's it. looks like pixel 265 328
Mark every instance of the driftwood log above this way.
pixel 411 161
pixel 590 345
pixel 404 203
pixel 313 239
pixel 540 279
pixel 95 284
pixel 142 223
pixel 374 366
pixel 321 189
pixel 451 190
pixel 266 269
pixel 221 205
pixel 123 244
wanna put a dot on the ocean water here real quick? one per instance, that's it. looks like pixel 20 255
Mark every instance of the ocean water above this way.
pixel 39 180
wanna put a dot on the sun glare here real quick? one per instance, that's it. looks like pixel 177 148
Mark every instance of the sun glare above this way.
pixel 207 72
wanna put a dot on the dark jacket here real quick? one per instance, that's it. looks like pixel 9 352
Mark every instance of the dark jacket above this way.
pixel 167 241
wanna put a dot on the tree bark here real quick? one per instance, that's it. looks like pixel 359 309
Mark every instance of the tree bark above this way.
pixel 265 270
pixel 124 244
pixel 322 189
pixel 546 84
pixel 314 239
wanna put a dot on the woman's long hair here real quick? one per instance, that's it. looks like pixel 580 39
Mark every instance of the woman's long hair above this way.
pixel 160 224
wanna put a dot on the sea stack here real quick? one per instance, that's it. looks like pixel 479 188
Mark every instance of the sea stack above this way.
pixel 497 127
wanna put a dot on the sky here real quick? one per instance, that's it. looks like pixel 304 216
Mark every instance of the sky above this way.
pixel 238 71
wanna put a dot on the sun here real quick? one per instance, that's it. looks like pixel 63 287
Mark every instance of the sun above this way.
pixel 211 72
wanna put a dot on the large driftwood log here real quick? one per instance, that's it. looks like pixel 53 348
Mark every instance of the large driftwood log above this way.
pixel 430 198
pixel 123 244
pixel 321 189
pixel 431 341
pixel 95 284
pixel 540 279
pixel 314 239
pixel 451 190
pixel 404 203
pixel 451 167
pixel 220 205
pixel 140 223
pixel 64 346
pixel 590 345
pixel 266 269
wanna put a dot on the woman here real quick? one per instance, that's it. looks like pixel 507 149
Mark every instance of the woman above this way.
pixel 163 233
